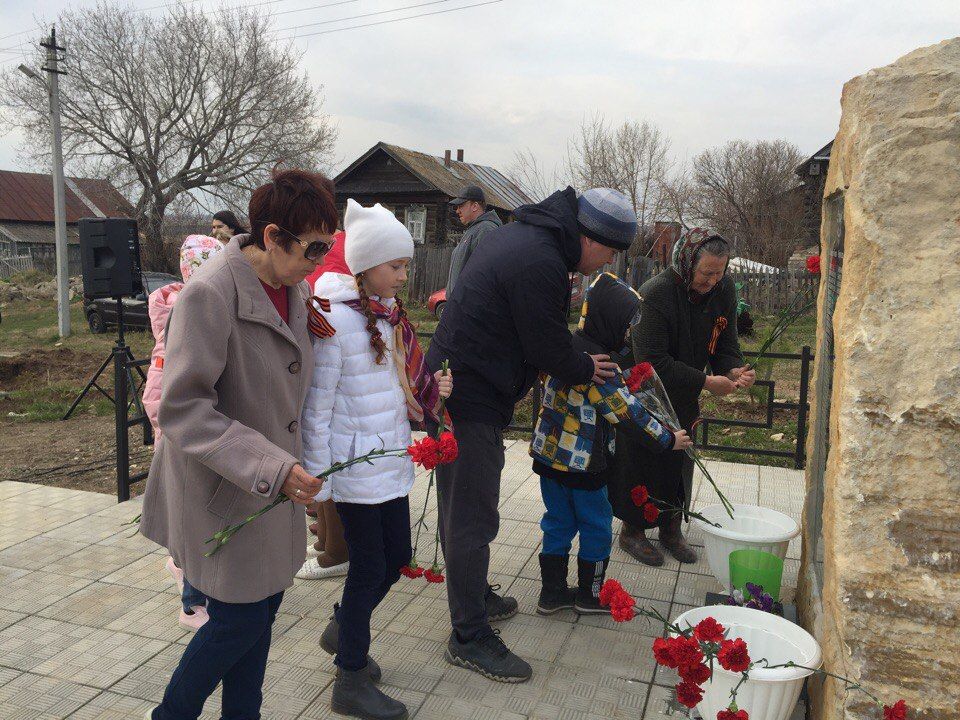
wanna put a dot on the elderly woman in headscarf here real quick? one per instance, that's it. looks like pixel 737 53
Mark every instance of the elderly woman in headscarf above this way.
pixel 688 331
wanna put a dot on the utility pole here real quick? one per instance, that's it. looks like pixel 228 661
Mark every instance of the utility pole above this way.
pixel 59 200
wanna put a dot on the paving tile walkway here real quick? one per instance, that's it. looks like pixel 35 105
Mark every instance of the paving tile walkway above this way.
pixel 88 617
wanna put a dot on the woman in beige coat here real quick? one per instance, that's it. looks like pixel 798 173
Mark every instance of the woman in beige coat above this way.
pixel 237 370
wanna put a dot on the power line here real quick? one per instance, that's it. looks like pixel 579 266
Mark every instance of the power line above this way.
pixel 365 15
pixel 21 48
pixel 394 20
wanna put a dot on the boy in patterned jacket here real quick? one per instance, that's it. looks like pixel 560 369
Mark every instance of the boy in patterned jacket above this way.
pixel 572 445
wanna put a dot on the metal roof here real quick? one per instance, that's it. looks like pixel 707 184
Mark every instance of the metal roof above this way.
pixel 28 197
pixel 501 191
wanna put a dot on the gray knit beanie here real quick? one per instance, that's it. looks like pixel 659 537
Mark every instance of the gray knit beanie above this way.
pixel 606 215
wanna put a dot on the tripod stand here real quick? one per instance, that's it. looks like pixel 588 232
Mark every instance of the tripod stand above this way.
pixel 123 365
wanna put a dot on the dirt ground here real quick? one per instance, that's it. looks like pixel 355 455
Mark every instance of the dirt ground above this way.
pixel 78 453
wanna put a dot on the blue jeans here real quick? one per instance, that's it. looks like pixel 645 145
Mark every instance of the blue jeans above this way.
pixel 571 511
pixel 191 597
pixel 378 540
pixel 232 647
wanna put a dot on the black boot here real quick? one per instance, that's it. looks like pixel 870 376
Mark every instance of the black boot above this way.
pixel 330 640
pixel 671 537
pixel 554 595
pixel 354 694
pixel 589 580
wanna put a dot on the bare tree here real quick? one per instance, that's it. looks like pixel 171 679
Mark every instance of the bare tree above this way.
pixel 631 158
pixel 183 103
pixel 532 175
pixel 748 192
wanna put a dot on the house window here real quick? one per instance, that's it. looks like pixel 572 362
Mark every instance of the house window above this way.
pixel 416 221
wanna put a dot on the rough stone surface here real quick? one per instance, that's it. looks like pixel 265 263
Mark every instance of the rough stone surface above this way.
pixel 891 524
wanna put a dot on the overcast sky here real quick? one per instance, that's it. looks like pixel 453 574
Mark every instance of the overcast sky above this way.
pixel 518 73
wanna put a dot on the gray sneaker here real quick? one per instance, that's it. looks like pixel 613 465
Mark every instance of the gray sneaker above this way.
pixel 487 655
pixel 499 607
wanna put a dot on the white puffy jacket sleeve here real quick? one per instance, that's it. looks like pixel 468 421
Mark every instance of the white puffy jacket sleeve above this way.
pixel 318 408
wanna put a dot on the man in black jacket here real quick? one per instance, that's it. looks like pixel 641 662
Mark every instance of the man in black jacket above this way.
pixel 505 322
pixel 471 208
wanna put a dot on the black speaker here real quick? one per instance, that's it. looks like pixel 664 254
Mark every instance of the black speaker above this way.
pixel 110 257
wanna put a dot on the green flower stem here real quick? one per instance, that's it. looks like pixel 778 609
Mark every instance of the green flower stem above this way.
pixel 727 505
pixel 441 428
pixel 222 537
pixel 790 315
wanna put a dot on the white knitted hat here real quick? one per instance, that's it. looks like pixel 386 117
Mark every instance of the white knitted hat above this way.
pixel 376 237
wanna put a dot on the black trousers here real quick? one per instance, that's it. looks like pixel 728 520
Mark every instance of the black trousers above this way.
pixel 469 493
pixel 378 539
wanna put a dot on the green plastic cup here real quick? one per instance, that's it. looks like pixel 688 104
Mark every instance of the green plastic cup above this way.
pixel 758 567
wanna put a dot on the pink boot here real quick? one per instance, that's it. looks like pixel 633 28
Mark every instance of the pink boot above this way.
pixel 176 573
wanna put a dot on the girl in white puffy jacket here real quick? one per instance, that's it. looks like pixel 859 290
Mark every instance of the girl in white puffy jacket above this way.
pixel 369 381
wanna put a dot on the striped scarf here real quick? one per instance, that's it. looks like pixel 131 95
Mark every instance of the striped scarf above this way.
pixel 419 385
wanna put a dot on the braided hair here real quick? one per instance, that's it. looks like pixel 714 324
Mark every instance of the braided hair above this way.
pixel 376 337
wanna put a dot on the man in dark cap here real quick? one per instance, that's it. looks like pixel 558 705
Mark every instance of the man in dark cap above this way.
pixel 471 208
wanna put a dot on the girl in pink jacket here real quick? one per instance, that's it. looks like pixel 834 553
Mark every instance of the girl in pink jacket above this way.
pixel 195 251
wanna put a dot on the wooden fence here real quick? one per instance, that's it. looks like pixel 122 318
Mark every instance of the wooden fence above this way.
pixel 12 265
pixel 766 292
pixel 428 272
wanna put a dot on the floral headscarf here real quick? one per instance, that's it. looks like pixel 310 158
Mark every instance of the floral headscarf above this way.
pixel 685 255
pixel 195 251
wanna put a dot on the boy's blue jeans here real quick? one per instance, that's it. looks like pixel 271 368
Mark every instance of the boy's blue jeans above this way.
pixel 571 511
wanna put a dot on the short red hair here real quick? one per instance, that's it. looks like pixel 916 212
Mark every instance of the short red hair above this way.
pixel 296 200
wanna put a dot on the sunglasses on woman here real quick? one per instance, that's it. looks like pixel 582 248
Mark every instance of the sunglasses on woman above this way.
pixel 314 251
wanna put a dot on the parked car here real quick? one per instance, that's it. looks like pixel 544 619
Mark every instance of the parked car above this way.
pixel 437 301
pixel 102 312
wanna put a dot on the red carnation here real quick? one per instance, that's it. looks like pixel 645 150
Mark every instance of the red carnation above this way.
pixel 448 447
pixel 897 712
pixel 813 264
pixel 729 714
pixel 650 512
pixel 708 630
pixel 426 453
pixel 639 374
pixel 733 655
pixel 663 652
pixel 622 613
pixel 411 571
pixel 610 588
pixel 696 674
pixel 686 652
pixel 621 600
pixel 639 495
pixel 433 575
pixel 689 694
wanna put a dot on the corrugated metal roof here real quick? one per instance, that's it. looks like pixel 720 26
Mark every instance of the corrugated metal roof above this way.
pixel 28 197
pixel 43 233
pixel 501 192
